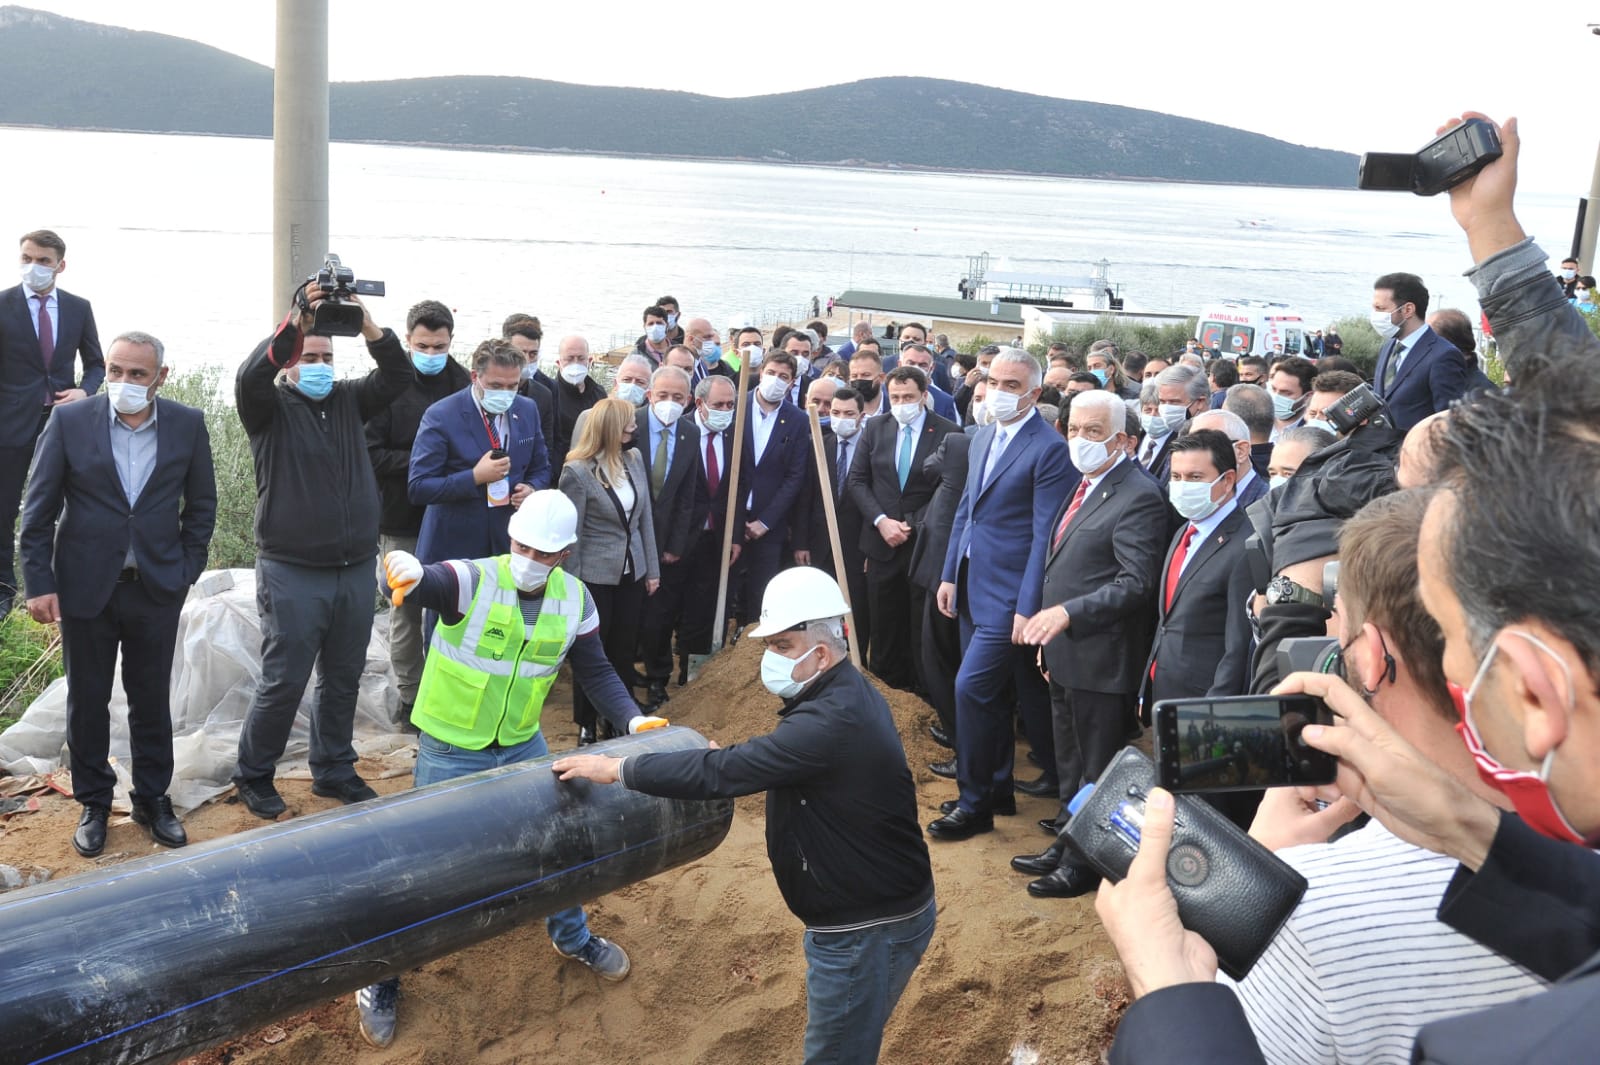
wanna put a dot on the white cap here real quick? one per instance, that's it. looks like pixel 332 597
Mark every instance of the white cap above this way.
pixel 797 595
pixel 546 521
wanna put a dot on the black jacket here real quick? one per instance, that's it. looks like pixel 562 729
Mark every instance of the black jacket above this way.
pixel 390 435
pixel 569 404
pixel 949 463
pixel 842 831
pixel 316 496
pixel 536 389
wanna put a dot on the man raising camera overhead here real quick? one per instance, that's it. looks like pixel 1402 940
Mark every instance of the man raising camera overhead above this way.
pixel 316 534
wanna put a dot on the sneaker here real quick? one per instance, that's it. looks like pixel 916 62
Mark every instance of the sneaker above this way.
pixel 347 791
pixel 261 797
pixel 603 957
pixel 377 1006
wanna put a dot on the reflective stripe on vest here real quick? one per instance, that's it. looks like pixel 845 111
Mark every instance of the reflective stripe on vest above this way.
pixel 486 676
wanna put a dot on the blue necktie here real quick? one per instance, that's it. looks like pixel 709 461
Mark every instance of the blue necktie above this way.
pixel 905 455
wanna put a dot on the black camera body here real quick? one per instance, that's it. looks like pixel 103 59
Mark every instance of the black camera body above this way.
pixel 338 315
pixel 1447 161
pixel 1356 406
pixel 1309 654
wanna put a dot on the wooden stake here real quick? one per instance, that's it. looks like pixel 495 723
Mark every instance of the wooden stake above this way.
pixel 825 479
pixel 741 406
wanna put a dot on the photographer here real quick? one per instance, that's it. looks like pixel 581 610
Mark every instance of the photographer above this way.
pixel 317 542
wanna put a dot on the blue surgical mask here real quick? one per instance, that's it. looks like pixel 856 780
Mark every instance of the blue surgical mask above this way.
pixel 672 320
pixel 1100 375
pixel 498 400
pixel 825 419
pixel 631 393
pixel 316 380
pixel 655 332
pixel 710 351
pixel 429 364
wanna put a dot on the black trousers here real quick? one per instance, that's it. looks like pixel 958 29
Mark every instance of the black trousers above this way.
pixel 14 464
pixel 663 615
pixel 146 632
pixel 941 658
pixel 703 572
pixel 619 607
pixel 760 560
pixel 1089 728
pixel 898 646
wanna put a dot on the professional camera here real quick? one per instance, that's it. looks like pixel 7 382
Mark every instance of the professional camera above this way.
pixel 1356 406
pixel 337 315
pixel 1452 158
pixel 1309 654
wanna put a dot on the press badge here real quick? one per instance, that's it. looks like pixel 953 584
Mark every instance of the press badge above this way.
pixel 499 492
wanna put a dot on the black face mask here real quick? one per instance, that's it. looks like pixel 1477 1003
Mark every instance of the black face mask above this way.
pixel 868 389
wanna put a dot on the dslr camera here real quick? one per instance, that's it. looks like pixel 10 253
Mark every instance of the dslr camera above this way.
pixel 1358 405
pixel 337 315
pixel 1453 157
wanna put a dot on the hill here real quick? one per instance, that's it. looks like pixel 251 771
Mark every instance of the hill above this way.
pixel 130 80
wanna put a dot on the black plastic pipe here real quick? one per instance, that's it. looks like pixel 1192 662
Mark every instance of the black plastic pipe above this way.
pixel 156 959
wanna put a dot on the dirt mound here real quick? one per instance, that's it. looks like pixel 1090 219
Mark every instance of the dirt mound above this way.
pixel 718 971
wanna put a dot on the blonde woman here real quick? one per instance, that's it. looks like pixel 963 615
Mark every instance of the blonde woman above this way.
pixel 615 554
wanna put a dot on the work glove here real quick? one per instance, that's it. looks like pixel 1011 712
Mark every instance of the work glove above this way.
pixel 403 572
pixel 642 723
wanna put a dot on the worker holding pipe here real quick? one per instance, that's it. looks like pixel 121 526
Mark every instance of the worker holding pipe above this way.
pixel 842 832
pixel 505 626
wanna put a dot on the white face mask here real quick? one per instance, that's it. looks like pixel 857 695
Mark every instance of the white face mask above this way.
pixel 1278 482
pixel 1089 455
pixel 527 574
pixel 1003 405
pixel 845 428
pixel 1192 499
pixel 905 413
pixel 772 388
pixel 631 392
pixel 1322 423
pixel 1383 322
pixel 777 673
pixel 38 277
pixel 127 398
pixel 804 364
pixel 1283 407
pixel 753 355
pixel 1568 274
pixel 1581 295
pixel 1172 416
pixel 574 373
pixel 981 414
pixel 667 411
pixel 718 420
pixel 655 332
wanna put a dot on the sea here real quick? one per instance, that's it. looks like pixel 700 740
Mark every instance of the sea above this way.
pixel 171 234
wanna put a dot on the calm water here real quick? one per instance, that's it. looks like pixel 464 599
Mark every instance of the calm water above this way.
pixel 171 234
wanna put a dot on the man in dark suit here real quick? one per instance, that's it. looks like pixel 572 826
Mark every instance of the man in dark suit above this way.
pixel 941 636
pixel 670 444
pixel 1181 393
pixel 1099 586
pixel 479 453
pixel 841 442
pixel 1418 371
pixel 1253 405
pixel 119 517
pixel 891 490
pixel 714 399
pixel 941 402
pixel 523 332
pixel 776 446
pixel 994 575
pixel 1202 640
pixel 1248 485
pixel 42 331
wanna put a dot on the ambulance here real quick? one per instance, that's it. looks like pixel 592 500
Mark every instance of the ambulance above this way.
pixel 1251 327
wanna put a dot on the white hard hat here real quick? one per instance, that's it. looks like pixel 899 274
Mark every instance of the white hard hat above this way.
pixel 798 595
pixel 546 521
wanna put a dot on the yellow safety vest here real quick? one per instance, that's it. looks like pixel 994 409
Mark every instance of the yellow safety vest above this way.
pixel 483 682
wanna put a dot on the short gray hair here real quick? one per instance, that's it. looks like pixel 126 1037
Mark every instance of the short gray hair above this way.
pixel 1020 358
pixel 635 359
pixel 134 336
pixel 830 633
pixel 1193 381
pixel 1148 394
pixel 1115 409
pixel 669 372
pixel 1233 426
pixel 1313 438
pixel 1254 405
pixel 703 389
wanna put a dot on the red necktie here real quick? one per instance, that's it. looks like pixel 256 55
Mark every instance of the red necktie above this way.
pixel 1175 567
pixel 712 477
pixel 47 345
pixel 1072 510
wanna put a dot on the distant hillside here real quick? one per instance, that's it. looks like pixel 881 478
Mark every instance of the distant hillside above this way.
pixel 102 77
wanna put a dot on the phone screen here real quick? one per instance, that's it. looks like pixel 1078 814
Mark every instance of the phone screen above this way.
pixel 1240 744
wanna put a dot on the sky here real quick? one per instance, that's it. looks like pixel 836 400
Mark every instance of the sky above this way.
pixel 1357 75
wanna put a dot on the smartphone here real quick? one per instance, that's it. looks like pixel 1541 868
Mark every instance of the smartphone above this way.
pixel 1240 744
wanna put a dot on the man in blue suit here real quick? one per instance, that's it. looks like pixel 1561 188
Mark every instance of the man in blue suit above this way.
pixel 944 404
pixel 1419 372
pixel 43 331
pixel 1019 475
pixel 478 455
pixel 777 443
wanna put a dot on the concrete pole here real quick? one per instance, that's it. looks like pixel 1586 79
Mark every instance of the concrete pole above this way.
pixel 1591 222
pixel 299 147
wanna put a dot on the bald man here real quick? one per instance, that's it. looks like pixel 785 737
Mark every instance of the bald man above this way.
pixel 1419 451
pixel 576 392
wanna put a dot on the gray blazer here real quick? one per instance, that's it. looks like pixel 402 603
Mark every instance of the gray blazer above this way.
pixel 603 544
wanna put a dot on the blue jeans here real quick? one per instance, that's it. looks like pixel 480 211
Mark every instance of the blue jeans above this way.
pixel 853 981
pixel 437 761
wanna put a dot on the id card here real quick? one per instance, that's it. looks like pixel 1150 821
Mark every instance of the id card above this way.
pixel 499 492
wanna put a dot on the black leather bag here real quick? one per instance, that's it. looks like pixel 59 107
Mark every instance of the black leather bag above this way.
pixel 1230 889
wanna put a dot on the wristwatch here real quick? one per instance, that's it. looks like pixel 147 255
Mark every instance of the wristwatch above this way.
pixel 1283 590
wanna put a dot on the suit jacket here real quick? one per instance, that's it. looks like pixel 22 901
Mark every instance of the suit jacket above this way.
pixel 543 398
pixel 1202 641
pixel 874 483
pixel 680 509
pixel 27 386
pixel 459 523
pixel 1005 524
pixel 1261 458
pixel 809 529
pixel 1431 377
pixel 944 404
pixel 781 474
pixel 1105 573
pixel 949 464
pixel 606 549
pixel 718 512
pixel 1258 487
pixel 77 525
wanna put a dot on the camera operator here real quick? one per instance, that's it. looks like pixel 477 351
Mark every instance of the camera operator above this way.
pixel 1525 650
pixel 316 540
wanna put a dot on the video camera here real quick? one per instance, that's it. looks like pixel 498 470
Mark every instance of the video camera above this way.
pixel 337 315
pixel 1445 162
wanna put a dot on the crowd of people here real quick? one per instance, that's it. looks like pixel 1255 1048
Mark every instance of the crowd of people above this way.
pixel 1037 547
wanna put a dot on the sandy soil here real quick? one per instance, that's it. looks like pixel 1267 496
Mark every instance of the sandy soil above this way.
pixel 718 973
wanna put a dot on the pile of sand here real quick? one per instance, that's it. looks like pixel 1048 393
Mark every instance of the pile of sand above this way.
pixel 718 970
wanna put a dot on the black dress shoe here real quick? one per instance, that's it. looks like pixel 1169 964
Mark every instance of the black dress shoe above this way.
pixel 1006 807
pixel 946 769
pixel 1039 864
pixel 1044 788
pixel 349 790
pixel 657 694
pixel 683 670
pixel 585 737
pixel 90 838
pixel 1049 826
pixel 941 737
pixel 959 824
pixel 261 797
pixel 156 816
pixel 1066 882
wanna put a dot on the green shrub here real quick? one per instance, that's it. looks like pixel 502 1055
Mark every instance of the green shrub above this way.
pixel 1153 340
pixel 1361 343
pixel 211 389
pixel 30 658
pixel 976 344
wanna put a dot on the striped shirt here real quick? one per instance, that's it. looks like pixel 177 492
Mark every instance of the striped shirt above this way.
pixel 1363 962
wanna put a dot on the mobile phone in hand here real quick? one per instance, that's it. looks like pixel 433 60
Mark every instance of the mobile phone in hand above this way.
pixel 1243 743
